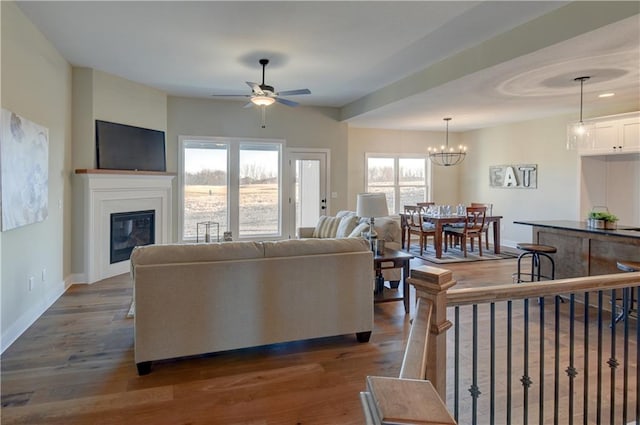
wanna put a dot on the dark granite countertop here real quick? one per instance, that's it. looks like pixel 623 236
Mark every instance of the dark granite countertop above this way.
pixel 581 226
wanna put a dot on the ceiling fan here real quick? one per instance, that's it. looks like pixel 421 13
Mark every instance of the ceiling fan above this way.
pixel 265 95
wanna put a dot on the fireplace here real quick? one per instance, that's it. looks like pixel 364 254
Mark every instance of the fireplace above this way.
pixel 108 193
pixel 128 230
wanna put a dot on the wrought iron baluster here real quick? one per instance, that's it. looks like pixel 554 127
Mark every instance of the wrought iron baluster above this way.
pixel 474 390
pixel 526 379
pixel 492 402
pixel 541 376
pixel 556 363
pixel 637 361
pixel 456 371
pixel 571 370
pixel 509 357
pixel 585 353
pixel 599 372
pixel 625 368
pixel 613 362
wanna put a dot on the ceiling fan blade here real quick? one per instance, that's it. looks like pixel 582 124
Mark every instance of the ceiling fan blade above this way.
pixel 230 95
pixel 286 101
pixel 248 105
pixel 294 92
pixel 255 87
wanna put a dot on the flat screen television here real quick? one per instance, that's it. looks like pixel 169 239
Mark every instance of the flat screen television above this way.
pixel 125 147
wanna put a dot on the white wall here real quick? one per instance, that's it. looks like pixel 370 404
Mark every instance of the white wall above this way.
pixel 36 83
pixel 612 181
pixel 540 142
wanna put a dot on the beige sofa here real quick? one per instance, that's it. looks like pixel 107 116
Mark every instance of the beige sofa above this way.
pixel 387 228
pixel 200 298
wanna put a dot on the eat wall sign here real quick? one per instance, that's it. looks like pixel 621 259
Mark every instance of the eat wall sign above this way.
pixel 520 176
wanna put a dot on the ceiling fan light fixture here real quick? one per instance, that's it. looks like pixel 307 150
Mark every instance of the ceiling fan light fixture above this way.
pixel 447 156
pixel 580 134
pixel 262 100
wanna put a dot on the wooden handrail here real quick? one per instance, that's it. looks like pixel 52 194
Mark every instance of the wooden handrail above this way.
pixel 507 292
pixel 414 363
pixel 410 398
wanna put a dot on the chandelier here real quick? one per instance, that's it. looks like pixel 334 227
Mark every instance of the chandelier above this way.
pixel 579 135
pixel 447 156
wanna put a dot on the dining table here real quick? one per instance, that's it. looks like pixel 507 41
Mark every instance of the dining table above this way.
pixel 440 221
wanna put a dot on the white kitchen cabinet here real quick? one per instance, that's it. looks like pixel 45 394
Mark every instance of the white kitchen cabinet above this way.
pixel 619 135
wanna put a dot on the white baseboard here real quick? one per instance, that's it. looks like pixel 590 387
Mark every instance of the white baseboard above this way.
pixel 16 329
pixel 77 279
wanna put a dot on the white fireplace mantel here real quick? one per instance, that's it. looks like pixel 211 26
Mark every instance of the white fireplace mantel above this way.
pixel 106 192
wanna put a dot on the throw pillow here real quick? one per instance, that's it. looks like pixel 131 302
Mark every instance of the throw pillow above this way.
pixel 345 213
pixel 357 231
pixel 346 226
pixel 327 227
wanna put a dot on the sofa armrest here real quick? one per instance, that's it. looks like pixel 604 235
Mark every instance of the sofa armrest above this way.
pixel 305 232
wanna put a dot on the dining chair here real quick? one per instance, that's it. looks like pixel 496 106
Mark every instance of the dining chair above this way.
pixel 486 225
pixel 473 228
pixel 425 205
pixel 416 225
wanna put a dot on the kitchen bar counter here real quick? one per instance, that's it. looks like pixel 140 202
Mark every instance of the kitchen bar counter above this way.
pixel 583 250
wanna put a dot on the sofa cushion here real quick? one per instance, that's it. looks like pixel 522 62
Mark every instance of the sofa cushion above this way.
pixel 346 226
pixel 388 228
pixel 327 227
pixel 298 247
pixel 194 253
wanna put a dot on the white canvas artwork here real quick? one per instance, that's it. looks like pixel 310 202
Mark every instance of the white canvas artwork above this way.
pixel 24 171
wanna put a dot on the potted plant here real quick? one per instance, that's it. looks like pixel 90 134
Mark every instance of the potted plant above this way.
pixel 602 220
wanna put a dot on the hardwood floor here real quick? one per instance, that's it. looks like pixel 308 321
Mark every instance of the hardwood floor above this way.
pixel 75 366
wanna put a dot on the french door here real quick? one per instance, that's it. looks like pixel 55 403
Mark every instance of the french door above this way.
pixel 308 171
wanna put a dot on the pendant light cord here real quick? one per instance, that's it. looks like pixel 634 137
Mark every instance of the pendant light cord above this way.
pixel 582 80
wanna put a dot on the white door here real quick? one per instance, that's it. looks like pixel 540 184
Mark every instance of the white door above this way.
pixel 308 174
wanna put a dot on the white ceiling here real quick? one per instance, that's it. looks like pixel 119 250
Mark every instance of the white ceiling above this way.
pixel 382 62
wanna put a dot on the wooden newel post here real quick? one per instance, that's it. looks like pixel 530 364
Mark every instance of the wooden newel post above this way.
pixel 432 284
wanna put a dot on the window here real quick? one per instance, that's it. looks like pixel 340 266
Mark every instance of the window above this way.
pixel 402 178
pixel 236 183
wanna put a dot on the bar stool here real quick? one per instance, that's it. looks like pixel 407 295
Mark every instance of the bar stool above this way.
pixel 627 266
pixel 535 251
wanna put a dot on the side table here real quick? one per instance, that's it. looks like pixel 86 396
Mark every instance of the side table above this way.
pixel 392 259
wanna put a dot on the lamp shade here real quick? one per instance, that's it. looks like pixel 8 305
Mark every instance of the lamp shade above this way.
pixel 371 205
pixel 262 100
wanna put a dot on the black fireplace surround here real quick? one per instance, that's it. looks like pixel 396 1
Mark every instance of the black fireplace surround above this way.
pixel 128 230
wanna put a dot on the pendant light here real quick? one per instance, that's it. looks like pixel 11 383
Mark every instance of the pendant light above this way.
pixel 579 134
pixel 447 156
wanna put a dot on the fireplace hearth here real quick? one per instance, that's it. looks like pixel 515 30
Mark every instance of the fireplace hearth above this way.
pixel 128 230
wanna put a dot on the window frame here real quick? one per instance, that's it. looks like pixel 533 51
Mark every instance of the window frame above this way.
pixel 233 183
pixel 396 175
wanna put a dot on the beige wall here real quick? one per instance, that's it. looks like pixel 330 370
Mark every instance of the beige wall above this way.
pixel 445 187
pixel 101 96
pixel 300 127
pixel 36 84
pixel 540 142
pixel 98 95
